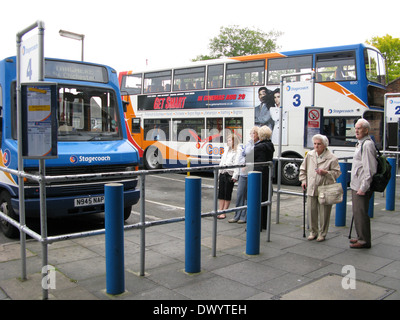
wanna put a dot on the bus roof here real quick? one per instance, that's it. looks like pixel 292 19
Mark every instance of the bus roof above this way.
pixel 260 56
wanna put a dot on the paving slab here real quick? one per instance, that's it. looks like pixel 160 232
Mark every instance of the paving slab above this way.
pixel 330 288
pixel 288 266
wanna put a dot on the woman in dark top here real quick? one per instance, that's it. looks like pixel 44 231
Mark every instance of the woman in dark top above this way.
pixel 264 152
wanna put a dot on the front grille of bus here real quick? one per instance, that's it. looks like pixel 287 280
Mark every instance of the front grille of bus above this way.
pixel 71 170
pixel 78 187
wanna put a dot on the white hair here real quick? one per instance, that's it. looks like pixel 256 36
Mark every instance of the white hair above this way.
pixel 364 123
pixel 322 138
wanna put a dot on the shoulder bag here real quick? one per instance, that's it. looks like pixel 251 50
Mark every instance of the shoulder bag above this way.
pixel 329 194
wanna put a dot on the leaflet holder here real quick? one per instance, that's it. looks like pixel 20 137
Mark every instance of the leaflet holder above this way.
pixel 39 120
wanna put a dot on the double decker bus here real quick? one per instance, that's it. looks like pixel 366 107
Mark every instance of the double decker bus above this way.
pixel 92 138
pixel 185 113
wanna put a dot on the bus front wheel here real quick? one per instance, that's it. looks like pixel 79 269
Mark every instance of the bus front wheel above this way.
pixel 290 173
pixel 5 206
pixel 152 158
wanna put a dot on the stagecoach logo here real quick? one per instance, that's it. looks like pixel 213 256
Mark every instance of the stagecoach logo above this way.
pixel 7 158
pixel 302 87
pixel 73 159
pixel 27 50
pixel 80 159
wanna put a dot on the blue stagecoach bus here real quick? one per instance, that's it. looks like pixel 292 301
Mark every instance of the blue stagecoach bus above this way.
pixel 92 138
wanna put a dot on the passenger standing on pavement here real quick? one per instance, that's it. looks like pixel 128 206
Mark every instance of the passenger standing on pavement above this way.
pixel 246 155
pixel 319 167
pixel 228 177
pixel 264 152
pixel 363 168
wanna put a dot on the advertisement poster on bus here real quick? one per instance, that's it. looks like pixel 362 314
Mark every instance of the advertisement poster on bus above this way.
pixel 264 101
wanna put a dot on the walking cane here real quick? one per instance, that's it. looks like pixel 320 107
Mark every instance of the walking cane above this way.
pixel 304 213
pixel 351 226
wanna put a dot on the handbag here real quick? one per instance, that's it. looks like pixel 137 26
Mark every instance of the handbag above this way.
pixel 329 194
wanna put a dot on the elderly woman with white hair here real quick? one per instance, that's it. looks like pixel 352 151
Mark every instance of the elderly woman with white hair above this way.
pixel 320 166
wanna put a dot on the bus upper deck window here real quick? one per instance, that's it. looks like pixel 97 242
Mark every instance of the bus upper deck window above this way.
pixel 215 76
pixel 249 73
pixel 132 83
pixel 336 66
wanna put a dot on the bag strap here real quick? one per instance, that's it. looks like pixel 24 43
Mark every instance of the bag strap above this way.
pixel 379 153
pixel 326 178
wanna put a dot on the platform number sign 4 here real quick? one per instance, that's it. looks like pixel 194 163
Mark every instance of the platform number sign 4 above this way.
pixel 29 71
pixel 30 59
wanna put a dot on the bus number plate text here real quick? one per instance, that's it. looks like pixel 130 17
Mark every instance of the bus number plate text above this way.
pixel 89 201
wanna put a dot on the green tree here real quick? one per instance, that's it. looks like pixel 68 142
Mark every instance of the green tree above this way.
pixel 233 41
pixel 390 48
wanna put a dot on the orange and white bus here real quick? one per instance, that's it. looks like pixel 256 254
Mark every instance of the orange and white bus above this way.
pixel 185 113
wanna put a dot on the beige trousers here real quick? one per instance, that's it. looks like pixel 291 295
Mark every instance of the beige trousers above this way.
pixel 318 217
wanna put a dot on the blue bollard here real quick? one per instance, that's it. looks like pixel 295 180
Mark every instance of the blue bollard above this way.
pixel 192 224
pixel 114 224
pixel 371 205
pixel 391 187
pixel 253 213
pixel 340 217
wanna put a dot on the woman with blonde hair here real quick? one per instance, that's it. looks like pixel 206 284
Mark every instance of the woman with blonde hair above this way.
pixel 228 177
pixel 320 166
pixel 246 155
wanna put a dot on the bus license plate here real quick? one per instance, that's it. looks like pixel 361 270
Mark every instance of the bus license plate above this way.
pixel 89 201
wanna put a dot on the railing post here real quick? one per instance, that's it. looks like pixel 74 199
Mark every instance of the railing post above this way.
pixel 114 225
pixel 391 187
pixel 340 217
pixel 142 224
pixel 214 234
pixel 253 213
pixel 270 191
pixel 192 224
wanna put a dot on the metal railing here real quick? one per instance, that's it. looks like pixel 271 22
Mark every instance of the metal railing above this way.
pixel 142 225
pixel 44 239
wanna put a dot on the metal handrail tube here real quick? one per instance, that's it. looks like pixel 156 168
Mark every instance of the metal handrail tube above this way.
pixel 22 228
pixel 142 225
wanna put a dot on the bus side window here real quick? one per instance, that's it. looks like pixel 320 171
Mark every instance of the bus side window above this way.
pixel 132 83
pixel 215 76
pixel 246 73
pixel 214 130
pixel 336 66
pixel 156 129
pixel 280 66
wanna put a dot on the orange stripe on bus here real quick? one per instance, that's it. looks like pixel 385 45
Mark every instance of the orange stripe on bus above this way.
pixel 342 90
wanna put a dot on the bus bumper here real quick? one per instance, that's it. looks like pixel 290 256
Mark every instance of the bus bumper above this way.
pixel 65 206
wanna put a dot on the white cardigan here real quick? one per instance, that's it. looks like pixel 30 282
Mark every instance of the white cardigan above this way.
pixel 230 158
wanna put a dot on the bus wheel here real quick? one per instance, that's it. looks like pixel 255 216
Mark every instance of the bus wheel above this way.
pixel 290 173
pixel 152 158
pixel 127 212
pixel 5 206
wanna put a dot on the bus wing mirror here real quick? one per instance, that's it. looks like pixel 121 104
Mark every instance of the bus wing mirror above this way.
pixel 125 105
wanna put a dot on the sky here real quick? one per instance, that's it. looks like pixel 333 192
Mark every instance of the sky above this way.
pixel 139 35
